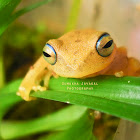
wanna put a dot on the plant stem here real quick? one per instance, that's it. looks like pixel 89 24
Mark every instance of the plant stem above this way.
pixel 74 13
pixel 2 75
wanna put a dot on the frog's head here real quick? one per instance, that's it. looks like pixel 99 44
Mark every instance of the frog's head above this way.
pixel 80 53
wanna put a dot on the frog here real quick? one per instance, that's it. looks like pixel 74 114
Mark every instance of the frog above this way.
pixel 78 54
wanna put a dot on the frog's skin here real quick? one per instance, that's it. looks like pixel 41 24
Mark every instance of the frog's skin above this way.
pixel 77 57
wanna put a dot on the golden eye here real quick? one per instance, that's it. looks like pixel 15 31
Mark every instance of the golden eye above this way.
pixel 49 54
pixel 105 45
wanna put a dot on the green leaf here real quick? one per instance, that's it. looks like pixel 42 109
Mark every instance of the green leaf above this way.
pixel 63 118
pixel 29 8
pixel 117 96
pixel 80 130
pixel 6 9
pixel 55 121
pixel 8 96
pixel 73 17
pixel 6 12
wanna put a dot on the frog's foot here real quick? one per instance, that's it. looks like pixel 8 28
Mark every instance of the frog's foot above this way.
pixel 24 93
pixel 33 84
pixel 119 74
pixel 39 88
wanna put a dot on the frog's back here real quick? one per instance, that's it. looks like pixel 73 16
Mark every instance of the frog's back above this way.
pixel 78 44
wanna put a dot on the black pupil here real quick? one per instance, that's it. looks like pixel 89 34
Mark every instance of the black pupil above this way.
pixel 108 44
pixel 46 54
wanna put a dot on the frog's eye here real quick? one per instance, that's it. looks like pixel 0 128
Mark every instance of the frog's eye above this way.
pixel 49 54
pixel 105 45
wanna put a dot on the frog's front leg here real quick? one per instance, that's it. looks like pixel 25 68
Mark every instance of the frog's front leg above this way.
pixel 33 78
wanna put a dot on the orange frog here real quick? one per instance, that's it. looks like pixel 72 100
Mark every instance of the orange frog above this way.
pixel 78 54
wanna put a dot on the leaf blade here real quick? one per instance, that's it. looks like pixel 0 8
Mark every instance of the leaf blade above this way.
pixel 9 19
pixel 102 98
pixel 15 129
pixel 81 129
pixel 110 87
pixel 104 105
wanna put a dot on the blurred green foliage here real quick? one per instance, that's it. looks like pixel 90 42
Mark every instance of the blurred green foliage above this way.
pixel 25 45
pixel 20 46
pixel 73 17
pixel 8 14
